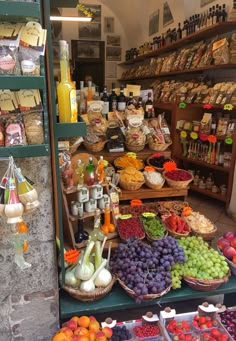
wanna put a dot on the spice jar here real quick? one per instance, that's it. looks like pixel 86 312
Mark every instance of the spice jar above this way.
pixel 91 205
pixel 83 194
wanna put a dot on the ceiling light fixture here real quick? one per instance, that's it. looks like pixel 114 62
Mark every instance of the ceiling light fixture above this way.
pixel 58 18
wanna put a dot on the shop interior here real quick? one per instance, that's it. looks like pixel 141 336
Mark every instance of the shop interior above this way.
pixel 117 164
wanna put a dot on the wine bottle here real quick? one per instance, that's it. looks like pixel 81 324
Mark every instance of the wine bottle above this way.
pixel 220 14
pixel 149 110
pixel 224 13
pixel 131 100
pixel 121 100
pixel 217 14
pixel 113 99
pixel 82 100
pixel 67 105
pixel 179 31
pixel 105 99
pixel 213 13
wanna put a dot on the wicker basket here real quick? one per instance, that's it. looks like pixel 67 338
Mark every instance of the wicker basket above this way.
pixel 178 184
pixel 158 147
pixel 118 167
pixel 153 186
pixel 152 239
pixel 130 186
pixel 95 147
pixel 147 297
pixel 159 169
pixel 209 236
pixel 204 284
pixel 172 233
pixel 134 148
pixel 97 294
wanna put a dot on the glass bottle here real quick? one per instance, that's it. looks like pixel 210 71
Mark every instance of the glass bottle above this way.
pixel 81 235
pixel 196 178
pixel 23 186
pixel 220 14
pixel 107 227
pixel 179 31
pixel 90 172
pixel 101 170
pixel 209 18
pixel 113 99
pixel 97 233
pixel 217 14
pixel 213 13
pixel 90 92
pixel 82 100
pixel 79 171
pixel 149 110
pixel 209 181
pixel 224 13
pixel 67 105
pixel 121 100
pixel 105 99
pixel 131 100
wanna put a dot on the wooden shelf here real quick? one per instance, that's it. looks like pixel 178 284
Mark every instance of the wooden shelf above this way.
pixel 182 72
pixel 25 151
pixel 14 82
pixel 172 106
pixel 206 33
pixel 64 130
pixel 147 193
pixel 209 193
pixel 19 11
pixel 111 156
pixel 203 164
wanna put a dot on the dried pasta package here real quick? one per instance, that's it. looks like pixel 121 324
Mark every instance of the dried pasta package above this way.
pixel 29 61
pixel 221 52
pixel 34 128
pixel 14 131
pixel 9 63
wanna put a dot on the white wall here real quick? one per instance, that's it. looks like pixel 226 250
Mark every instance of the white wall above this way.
pixel 70 31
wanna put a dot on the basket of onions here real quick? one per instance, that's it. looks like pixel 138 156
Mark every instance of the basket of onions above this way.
pixel 175 177
pixel 88 280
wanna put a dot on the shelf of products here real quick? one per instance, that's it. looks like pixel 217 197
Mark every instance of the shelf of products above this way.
pixel 119 300
pixel 219 28
pixel 204 164
pixel 209 193
pixel 33 140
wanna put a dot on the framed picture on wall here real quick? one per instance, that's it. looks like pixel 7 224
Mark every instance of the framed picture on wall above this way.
pixel 154 22
pixel 90 31
pixel 82 49
pixel 113 53
pixel 113 40
pixel 109 25
pixel 94 9
pixel 167 15
pixel 206 2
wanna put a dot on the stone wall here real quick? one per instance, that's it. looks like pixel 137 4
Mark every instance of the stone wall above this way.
pixel 29 305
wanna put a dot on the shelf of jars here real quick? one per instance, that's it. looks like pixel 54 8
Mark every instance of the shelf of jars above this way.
pixel 181 72
pixel 203 164
pixel 213 30
pixel 209 193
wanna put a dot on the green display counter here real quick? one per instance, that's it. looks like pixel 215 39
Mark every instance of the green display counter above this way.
pixel 117 299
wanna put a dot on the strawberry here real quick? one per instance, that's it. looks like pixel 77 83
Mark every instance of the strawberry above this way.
pixel 195 324
pixel 209 324
pixel 215 333
pixel 182 337
pixel 223 337
pixel 206 336
pixel 208 319
pixel 196 318
pixel 203 326
pixel 202 320
pixel 188 337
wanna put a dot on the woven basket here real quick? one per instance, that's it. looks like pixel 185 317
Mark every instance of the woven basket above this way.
pixel 130 186
pixel 205 236
pixel 204 284
pixel 95 147
pixel 159 169
pixel 97 294
pixel 147 297
pixel 152 239
pixel 134 148
pixel 172 233
pixel 178 184
pixel 158 147
pixel 231 264
pixel 153 186
pixel 117 159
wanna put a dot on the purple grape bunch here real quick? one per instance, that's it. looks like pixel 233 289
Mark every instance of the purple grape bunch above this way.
pixel 146 269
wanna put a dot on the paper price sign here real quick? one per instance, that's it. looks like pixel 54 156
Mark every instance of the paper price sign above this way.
pixel 183 134
pixel 207 106
pixel 194 135
pixel 133 155
pixel 182 105
pixel 228 107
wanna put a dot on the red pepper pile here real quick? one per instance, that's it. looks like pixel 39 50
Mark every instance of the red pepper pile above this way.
pixel 204 322
pixel 176 224
pixel 178 175
pixel 215 335
pixel 146 330
pixel 129 228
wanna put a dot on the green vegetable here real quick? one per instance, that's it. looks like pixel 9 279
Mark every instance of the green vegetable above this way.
pixel 153 226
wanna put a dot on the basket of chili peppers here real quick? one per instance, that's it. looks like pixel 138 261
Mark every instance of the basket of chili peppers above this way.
pixel 130 227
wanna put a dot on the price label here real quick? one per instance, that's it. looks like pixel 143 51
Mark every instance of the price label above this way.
pixel 183 134
pixel 228 107
pixel 148 215
pixel 207 106
pixel 194 135
pixel 182 105
pixel 229 140
pixel 125 216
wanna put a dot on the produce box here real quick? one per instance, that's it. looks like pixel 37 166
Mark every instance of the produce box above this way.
pixel 201 325
pixel 144 329
pixel 227 317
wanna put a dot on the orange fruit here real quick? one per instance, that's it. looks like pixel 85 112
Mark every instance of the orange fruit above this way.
pixel 61 337
pixel 81 331
pixel 84 321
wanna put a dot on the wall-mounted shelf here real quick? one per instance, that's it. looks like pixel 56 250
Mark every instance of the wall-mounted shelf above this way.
pixel 25 151
pixel 19 10
pixel 203 164
pixel 209 193
pixel 70 129
pixel 206 33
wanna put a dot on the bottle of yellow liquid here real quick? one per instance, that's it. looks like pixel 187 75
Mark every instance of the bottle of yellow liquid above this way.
pixel 66 93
